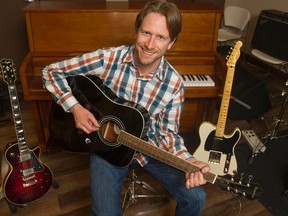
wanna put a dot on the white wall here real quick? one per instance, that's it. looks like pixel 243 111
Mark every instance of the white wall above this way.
pixel 255 7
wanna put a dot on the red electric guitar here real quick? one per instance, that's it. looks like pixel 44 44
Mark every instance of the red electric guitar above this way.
pixel 24 178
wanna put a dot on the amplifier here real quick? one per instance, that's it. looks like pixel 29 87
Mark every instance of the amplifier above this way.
pixel 271 34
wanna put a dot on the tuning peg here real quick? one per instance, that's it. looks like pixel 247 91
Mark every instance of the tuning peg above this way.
pixel 250 177
pixel 228 55
pixel 241 178
pixel 228 188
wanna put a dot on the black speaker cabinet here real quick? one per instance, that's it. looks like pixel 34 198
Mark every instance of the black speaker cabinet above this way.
pixel 271 34
pixel 251 91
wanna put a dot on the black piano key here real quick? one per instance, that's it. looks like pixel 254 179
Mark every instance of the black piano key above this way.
pixel 192 77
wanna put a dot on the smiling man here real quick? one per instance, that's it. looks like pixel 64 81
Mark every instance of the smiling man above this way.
pixel 138 73
pixel 152 41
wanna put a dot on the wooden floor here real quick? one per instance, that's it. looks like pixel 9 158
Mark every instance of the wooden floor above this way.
pixel 71 172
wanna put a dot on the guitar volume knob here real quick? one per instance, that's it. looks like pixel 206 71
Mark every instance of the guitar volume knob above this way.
pixel 87 141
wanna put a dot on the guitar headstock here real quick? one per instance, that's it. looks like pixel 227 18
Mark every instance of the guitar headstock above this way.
pixel 8 71
pixel 240 185
pixel 235 54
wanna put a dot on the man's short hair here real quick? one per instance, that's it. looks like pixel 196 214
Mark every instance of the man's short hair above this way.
pixel 167 9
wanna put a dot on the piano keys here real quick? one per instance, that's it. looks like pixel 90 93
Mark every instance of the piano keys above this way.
pixel 200 80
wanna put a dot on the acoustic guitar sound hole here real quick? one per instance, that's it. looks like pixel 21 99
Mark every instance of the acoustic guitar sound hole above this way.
pixel 110 129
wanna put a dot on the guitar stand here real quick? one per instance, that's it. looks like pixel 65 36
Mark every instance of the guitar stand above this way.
pixel 131 192
pixel 13 208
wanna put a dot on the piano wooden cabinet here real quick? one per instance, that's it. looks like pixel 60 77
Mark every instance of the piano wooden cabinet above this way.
pixel 59 30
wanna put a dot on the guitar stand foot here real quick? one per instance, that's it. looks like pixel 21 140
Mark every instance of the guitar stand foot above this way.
pixel 12 208
pixel 55 185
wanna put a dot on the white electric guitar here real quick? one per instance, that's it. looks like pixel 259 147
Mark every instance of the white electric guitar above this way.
pixel 215 148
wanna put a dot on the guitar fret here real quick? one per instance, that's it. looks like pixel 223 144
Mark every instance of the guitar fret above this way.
pixel 18 122
pixel 22 143
pixel 20 131
pixel 26 157
pixel 22 147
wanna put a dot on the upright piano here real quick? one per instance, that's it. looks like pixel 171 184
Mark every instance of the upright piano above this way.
pixel 59 30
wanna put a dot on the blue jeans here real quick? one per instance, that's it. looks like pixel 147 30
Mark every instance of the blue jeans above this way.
pixel 106 186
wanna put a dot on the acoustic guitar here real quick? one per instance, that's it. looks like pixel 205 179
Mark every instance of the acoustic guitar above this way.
pixel 25 178
pixel 123 129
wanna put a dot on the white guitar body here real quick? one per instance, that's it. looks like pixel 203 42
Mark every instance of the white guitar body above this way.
pixel 218 152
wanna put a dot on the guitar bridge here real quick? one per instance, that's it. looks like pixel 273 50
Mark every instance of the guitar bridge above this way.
pixel 214 157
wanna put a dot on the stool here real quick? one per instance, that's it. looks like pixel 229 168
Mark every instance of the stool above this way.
pixel 131 196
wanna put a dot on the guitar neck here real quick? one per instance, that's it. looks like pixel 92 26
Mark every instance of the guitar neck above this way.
pixel 144 147
pixel 221 124
pixel 18 123
pixel 227 90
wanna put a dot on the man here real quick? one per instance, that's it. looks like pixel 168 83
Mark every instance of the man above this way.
pixel 137 73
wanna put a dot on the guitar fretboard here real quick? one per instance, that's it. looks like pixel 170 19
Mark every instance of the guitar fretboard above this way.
pixel 161 155
pixel 23 149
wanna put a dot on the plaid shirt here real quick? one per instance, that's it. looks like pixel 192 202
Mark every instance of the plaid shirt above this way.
pixel 161 93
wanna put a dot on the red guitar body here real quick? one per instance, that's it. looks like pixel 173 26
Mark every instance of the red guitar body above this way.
pixel 27 180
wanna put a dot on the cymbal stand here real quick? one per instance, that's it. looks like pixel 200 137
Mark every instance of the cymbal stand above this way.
pixel 131 192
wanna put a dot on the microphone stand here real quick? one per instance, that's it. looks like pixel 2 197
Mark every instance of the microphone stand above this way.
pixel 280 120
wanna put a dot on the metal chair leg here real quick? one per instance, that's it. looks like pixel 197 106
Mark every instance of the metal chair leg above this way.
pixel 130 196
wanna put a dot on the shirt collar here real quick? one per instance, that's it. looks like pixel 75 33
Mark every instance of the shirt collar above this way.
pixel 129 58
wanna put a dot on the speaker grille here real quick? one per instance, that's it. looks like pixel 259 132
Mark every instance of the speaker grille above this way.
pixel 271 34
